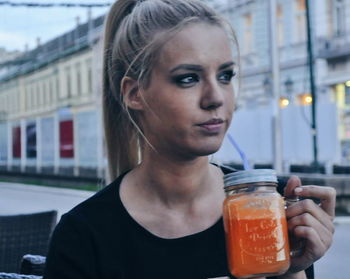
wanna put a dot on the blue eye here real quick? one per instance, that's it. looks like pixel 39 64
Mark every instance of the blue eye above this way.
pixel 186 80
pixel 226 76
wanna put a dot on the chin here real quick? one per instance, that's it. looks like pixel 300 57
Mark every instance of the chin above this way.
pixel 200 147
pixel 208 150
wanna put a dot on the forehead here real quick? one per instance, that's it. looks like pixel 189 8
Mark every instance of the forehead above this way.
pixel 199 43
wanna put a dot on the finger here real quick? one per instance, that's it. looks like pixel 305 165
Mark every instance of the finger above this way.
pixel 327 196
pixel 310 207
pixel 308 220
pixel 293 182
pixel 314 248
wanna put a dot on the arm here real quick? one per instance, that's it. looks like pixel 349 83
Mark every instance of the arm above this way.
pixel 311 222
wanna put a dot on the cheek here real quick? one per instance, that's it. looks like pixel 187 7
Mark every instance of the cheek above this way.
pixel 167 114
pixel 230 103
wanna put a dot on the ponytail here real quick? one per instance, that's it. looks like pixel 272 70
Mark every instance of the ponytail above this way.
pixel 120 135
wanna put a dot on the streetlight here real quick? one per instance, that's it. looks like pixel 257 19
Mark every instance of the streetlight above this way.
pixel 284 102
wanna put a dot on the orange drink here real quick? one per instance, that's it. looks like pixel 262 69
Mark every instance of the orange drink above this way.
pixel 255 228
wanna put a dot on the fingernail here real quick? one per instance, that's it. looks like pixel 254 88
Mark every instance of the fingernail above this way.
pixel 298 190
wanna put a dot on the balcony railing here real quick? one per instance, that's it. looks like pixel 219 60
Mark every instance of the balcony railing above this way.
pixel 333 47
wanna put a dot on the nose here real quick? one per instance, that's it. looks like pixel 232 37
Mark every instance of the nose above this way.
pixel 213 95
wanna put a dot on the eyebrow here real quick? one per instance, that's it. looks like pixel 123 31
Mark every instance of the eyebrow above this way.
pixel 199 68
pixel 226 65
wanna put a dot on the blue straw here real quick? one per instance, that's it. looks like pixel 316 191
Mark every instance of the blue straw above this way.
pixel 240 152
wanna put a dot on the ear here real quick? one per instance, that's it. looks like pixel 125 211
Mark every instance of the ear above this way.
pixel 131 93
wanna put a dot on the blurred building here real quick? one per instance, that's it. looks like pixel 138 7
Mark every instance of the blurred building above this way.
pixel 6 56
pixel 331 38
pixel 50 107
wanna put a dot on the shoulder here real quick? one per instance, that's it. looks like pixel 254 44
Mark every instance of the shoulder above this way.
pixel 96 210
pixel 91 224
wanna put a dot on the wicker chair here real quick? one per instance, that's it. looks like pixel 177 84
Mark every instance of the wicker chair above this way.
pixel 24 234
pixel 18 276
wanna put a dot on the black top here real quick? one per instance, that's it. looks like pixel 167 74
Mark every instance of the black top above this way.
pixel 99 239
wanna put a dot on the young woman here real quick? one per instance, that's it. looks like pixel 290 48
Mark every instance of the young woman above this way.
pixel 168 101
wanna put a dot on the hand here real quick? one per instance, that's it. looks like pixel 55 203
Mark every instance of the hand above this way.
pixel 310 221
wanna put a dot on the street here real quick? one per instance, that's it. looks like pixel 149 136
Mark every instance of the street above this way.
pixel 336 263
pixel 20 198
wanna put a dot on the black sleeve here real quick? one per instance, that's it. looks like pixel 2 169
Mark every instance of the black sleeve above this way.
pixel 310 272
pixel 71 253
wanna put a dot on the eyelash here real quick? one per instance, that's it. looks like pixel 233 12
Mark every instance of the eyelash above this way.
pixel 181 79
pixel 193 78
pixel 230 74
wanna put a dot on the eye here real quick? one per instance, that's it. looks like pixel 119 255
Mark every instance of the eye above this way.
pixel 226 76
pixel 186 80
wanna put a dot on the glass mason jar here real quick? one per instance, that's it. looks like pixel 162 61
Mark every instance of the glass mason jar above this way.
pixel 255 224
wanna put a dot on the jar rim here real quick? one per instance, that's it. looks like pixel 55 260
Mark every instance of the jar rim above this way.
pixel 250 176
pixel 250 185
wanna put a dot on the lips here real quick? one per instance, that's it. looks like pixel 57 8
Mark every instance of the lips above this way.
pixel 213 125
pixel 213 121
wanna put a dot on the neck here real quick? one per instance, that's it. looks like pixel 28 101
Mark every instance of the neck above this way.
pixel 175 182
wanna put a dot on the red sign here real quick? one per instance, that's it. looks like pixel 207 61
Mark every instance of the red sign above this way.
pixel 16 142
pixel 66 139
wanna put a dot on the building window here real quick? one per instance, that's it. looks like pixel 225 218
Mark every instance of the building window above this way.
pixel 40 95
pixel 51 93
pixel 69 83
pixel 15 97
pixel 339 17
pixel 36 97
pixel 78 79
pixel 44 92
pixel 57 88
pixel 90 79
pixel 347 125
pixel 16 100
pixel 7 104
pixel 248 33
pixel 300 17
pixel 347 95
pixel 30 99
pixel 2 105
pixel 280 33
pixel 88 66
pixel 26 98
pixel 12 101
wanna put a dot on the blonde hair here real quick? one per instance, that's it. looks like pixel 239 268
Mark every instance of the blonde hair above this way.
pixel 134 32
